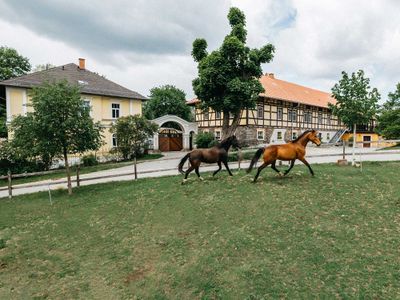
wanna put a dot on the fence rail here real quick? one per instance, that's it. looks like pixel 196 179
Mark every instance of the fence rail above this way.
pixel 135 173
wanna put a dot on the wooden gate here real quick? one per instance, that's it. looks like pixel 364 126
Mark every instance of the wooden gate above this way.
pixel 366 138
pixel 169 140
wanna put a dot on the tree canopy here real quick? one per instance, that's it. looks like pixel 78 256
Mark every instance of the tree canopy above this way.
pixel 12 64
pixel 228 77
pixel 356 102
pixel 60 124
pixel 389 116
pixel 165 100
pixel 132 133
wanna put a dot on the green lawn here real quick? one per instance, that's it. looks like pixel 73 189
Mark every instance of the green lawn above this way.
pixel 336 235
pixel 83 170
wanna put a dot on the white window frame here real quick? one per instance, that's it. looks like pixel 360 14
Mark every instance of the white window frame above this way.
pixel 328 120
pixel 277 136
pixel 217 134
pixel 114 141
pixel 292 115
pixel 206 113
pixel 320 118
pixel 262 135
pixel 217 115
pixel 116 110
pixel 86 100
pixel 307 116
pixel 328 136
pixel 294 135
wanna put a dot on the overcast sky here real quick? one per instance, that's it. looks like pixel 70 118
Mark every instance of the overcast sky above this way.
pixel 141 44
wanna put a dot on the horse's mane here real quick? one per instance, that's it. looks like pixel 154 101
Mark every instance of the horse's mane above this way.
pixel 301 135
pixel 224 142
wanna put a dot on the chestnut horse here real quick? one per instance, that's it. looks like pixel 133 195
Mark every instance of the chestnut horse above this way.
pixel 216 154
pixel 293 150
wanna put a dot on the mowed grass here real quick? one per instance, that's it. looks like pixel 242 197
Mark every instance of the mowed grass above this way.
pixel 335 235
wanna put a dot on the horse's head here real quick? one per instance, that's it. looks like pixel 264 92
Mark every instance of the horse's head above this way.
pixel 313 137
pixel 235 142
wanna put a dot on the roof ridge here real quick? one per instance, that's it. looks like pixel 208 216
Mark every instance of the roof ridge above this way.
pixel 296 84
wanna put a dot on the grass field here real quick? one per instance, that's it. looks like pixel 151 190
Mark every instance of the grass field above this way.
pixel 336 235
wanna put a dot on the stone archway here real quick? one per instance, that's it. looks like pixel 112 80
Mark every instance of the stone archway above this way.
pixel 185 126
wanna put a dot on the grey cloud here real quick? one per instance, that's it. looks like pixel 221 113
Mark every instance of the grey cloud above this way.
pixel 143 27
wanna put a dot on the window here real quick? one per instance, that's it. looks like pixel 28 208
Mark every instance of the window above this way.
pixel 279 135
pixel 328 136
pixel 260 135
pixel 218 135
pixel 260 111
pixel 115 110
pixel 307 117
pixel 279 113
pixel 218 115
pixel 114 140
pixel 292 115
pixel 319 118
pixel 206 116
pixel 320 135
pixel 328 120
pixel 294 135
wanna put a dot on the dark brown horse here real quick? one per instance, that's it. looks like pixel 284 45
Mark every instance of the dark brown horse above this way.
pixel 291 151
pixel 216 154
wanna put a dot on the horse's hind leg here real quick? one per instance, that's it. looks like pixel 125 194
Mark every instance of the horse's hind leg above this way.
pixel 291 166
pixel 260 168
pixel 303 160
pixel 191 168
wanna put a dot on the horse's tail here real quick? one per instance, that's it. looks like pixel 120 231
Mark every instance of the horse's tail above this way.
pixel 182 162
pixel 255 158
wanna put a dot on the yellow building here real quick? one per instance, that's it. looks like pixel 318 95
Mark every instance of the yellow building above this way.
pixel 107 100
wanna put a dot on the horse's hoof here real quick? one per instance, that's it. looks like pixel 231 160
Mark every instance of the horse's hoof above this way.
pixel 183 181
pixel 281 174
pixel 201 178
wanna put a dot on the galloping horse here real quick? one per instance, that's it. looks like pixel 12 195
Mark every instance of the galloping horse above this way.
pixel 293 150
pixel 216 154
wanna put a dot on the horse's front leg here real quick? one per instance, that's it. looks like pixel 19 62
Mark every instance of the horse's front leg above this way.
pixel 198 173
pixel 303 160
pixel 273 166
pixel 219 168
pixel 227 167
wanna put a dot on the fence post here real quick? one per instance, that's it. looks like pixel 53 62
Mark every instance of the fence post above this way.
pixel 344 149
pixel 239 158
pixel 78 183
pixel 134 165
pixel 9 184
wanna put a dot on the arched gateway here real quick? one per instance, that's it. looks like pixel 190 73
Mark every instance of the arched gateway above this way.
pixel 174 134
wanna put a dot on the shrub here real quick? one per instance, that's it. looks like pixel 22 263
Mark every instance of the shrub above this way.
pixel 205 140
pixel 2 243
pixel 89 160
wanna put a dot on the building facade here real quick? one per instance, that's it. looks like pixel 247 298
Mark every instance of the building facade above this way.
pixel 107 100
pixel 282 112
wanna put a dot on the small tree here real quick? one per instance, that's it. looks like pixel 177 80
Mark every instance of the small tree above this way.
pixel 389 116
pixel 42 67
pixel 228 77
pixel 132 133
pixel 12 64
pixel 59 125
pixel 356 103
pixel 165 100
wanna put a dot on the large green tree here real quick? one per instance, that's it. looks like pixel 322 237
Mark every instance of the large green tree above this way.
pixel 227 79
pixel 132 133
pixel 165 100
pixel 60 124
pixel 389 116
pixel 356 102
pixel 12 64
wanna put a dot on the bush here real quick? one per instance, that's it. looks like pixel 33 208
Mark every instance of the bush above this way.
pixel 89 160
pixel 205 140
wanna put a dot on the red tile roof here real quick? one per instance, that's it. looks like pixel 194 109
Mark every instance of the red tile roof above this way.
pixel 287 91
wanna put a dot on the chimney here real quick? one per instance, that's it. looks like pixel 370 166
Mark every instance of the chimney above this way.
pixel 82 63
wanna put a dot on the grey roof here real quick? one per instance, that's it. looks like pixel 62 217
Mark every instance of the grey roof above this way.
pixel 89 82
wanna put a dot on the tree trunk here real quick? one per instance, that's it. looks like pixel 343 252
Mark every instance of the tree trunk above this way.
pixel 68 172
pixel 228 130
pixel 354 145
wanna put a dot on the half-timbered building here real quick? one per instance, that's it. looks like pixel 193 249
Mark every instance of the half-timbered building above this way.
pixel 282 112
